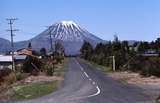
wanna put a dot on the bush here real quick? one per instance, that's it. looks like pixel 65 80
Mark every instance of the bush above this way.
pixel 32 65
pixel 48 66
pixel 58 58
pixel 152 67
pixel 147 66
pixel 4 72
pixel 11 78
pixel 20 76
pixel 49 70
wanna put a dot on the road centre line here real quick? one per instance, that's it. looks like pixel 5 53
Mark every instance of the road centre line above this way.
pixel 93 83
pixel 86 74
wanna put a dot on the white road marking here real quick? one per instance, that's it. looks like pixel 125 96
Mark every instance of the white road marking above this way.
pixel 98 89
pixel 86 74
pixel 98 92
pixel 79 64
pixel 93 83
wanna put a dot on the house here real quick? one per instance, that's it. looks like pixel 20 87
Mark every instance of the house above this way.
pixel 150 53
pixel 19 58
pixel 6 60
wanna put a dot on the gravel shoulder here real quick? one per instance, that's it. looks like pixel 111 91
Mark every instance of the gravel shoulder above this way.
pixel 150 85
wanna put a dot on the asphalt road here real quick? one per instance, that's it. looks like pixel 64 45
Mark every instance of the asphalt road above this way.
pixel 84 84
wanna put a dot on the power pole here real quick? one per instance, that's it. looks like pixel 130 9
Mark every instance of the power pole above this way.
pixel 50 35
pixel 11 20
pixel 114 64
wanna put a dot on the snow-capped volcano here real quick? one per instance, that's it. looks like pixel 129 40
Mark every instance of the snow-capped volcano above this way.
pixel 66 30
pixel 69 33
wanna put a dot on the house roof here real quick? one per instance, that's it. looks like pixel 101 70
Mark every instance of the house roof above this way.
pixel 29 49
pixel 5 58
pixel 8 58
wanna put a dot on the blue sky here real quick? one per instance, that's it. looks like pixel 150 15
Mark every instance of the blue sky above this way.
pixel 129 19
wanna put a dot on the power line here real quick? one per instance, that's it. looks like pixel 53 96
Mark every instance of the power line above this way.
pixel 11 20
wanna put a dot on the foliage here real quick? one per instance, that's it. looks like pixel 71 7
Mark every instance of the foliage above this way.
pixel 59 49
pixel 147 66
pixel 29 45
pixel 9 79
pixel 86 50
pixel 49 68
pixel 3 73
pixel 32 65
pixel 43 52
pixel 21 76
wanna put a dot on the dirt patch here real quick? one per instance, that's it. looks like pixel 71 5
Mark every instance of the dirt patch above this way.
pixel 150 85
pixel 41 78
pixel 135 78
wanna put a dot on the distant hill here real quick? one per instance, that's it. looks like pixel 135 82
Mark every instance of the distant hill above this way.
pixel 5 45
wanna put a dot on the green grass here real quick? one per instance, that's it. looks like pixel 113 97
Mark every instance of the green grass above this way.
pixel 35 90
pixel 59 70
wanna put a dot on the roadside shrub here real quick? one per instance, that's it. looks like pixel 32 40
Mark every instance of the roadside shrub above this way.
pixel 4 72
pixel 32 65
pixel 59 58
pixel 11 78
pixel 152 66
pixel 136 64
pixel 20 76
pixel 50 71
pixel 147 66
pixel 49 68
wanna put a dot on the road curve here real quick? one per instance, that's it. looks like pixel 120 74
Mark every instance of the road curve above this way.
pixel 84 84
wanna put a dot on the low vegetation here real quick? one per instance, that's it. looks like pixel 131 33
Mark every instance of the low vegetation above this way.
pixel 34 90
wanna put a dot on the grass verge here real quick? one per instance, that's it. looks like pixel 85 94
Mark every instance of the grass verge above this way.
pixel 59 70
pixel 101 68
pixel 30 91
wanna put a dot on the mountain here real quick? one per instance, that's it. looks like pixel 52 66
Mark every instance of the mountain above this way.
pixel 68 33
pixel 5 45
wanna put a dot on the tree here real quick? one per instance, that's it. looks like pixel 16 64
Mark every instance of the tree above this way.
pixel 30 45
pixel 86 50
pixel 125 46
pixel 99 48
pixel 157 44
pixel 143 47
pixel 59 49
pixel 43 52
pixel 158 41
pixel 116 38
